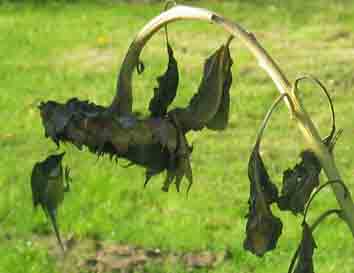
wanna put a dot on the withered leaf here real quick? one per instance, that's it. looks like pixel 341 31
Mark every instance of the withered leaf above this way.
pixel 215 82
pixel 47 183
pixel 307 247
pixel 299 183
pixel 221 118
pixel 177 161
pixel 263 229
pixel 257 173
pixel 167 87
pixel 210 105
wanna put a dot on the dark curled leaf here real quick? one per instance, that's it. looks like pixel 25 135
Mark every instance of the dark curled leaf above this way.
pixel 47 183
pixel 307 247
pixel 221 118
pixel 263 229
pixel 171 154
pixel 210 105
pixel 179 161
pixel 299 183
pixel 257 173
pixel 167 87
pixel 216 77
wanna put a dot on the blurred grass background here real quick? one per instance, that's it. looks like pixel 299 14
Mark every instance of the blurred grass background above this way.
pixel 55 50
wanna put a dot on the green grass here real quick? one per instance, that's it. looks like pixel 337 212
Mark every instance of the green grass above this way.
pixel 53 52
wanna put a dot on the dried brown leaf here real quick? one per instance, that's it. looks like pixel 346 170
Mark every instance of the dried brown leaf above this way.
pixel 167 87
pixel 307 248
pixel 263 229
pixel 299 183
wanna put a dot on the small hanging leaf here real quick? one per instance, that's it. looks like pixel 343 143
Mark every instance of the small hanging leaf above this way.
pixel 257 173
pixel 303 256
pixel 221 118
pixel 216 77
pixel 166 91
pixel 177 161
pixel 299 183
pixel 210 105
pixel 307 247
pixel 263 228
pixel 183 165
pixel 47 183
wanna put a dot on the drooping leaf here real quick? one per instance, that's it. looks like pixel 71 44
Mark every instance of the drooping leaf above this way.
pixel 221 118
pixel 167 87
pixel 257 173
pixel 210 105
pixel 47 183
pixel 263 229
pixel 299 183
pixel 177 162
pixel 216 81
pixel 307 247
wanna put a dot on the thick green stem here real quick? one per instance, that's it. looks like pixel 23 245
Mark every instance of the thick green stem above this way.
pixel 122 103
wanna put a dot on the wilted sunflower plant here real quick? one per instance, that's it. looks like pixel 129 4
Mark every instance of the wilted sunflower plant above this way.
pixel 159 144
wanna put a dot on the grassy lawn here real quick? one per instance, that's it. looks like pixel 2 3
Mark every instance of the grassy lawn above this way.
pixel 62 50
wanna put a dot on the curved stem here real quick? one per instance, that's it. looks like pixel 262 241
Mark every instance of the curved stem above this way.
pixel 122 103
pixel 312 228
pixel 167 4
pixel 320 189
pixel 267 117
pixel 324 90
